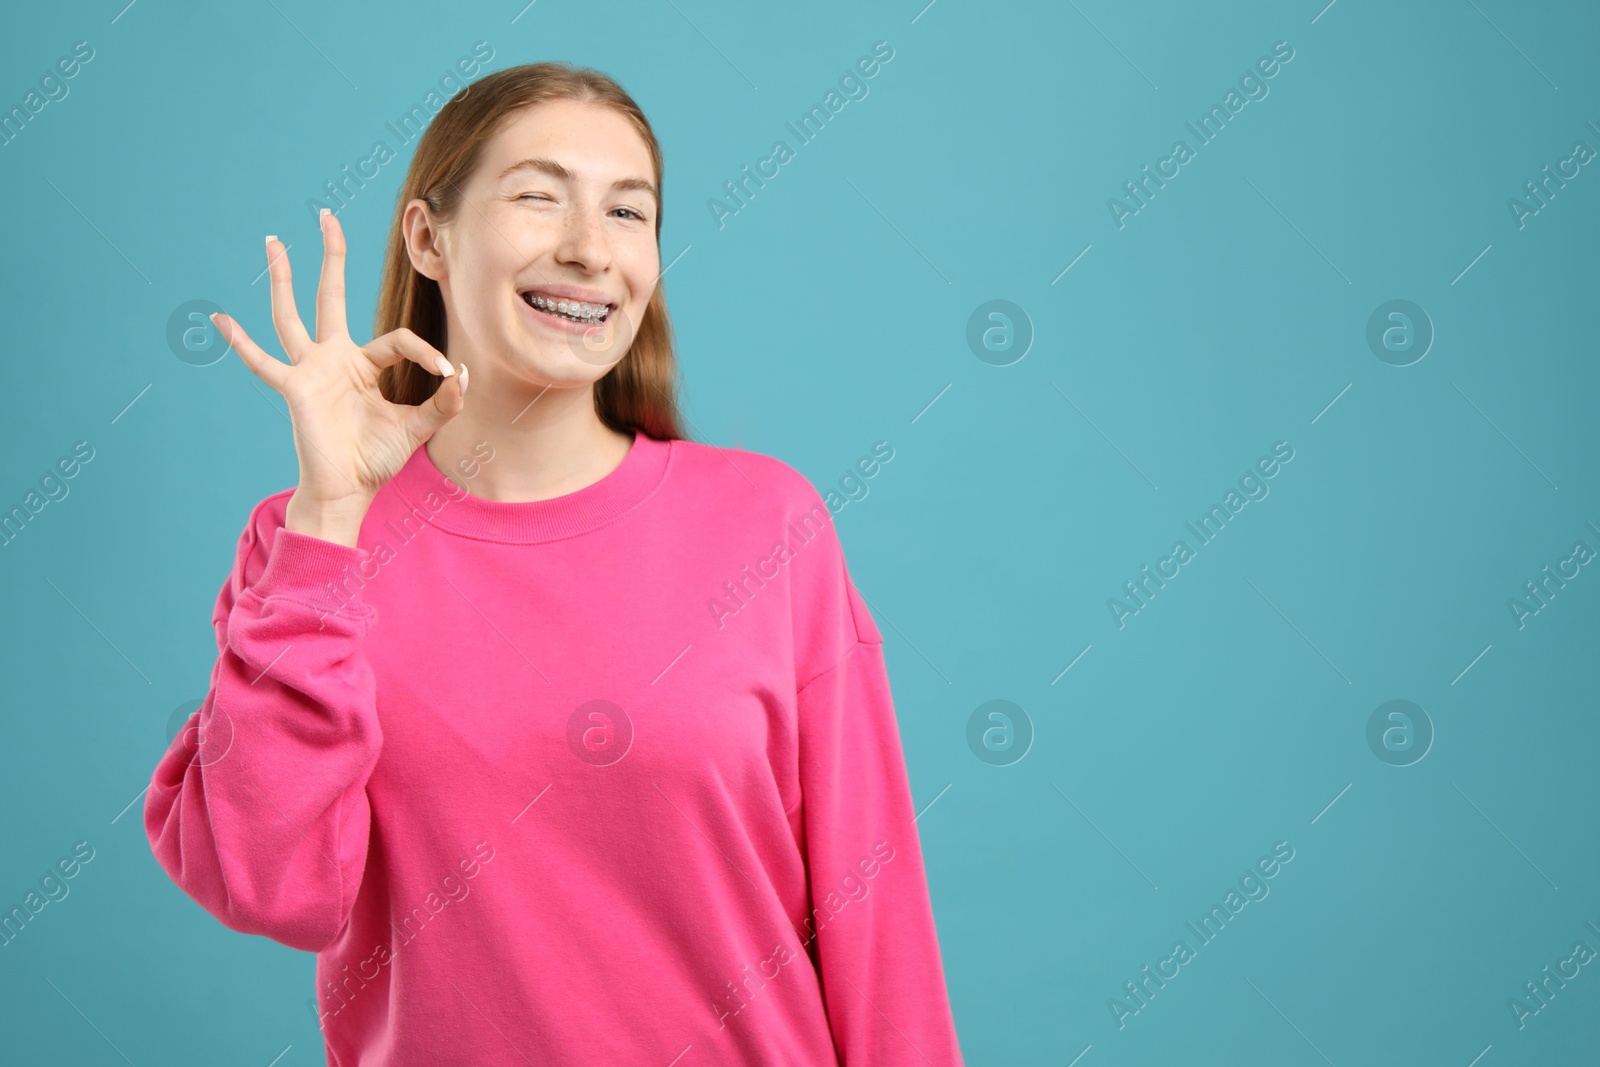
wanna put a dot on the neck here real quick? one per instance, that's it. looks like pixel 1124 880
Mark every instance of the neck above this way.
pixel 546 443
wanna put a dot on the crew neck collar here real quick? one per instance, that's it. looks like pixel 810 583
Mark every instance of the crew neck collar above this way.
pixel 532 521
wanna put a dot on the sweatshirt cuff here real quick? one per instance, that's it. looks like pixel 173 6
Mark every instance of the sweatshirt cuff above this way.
pixel 301 567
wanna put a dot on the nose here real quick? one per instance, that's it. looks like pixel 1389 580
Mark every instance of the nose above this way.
pixel 583 240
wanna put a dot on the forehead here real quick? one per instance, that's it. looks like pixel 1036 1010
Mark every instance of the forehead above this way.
pixel 595 142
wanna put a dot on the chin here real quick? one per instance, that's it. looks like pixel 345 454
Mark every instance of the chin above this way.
pixel 542 364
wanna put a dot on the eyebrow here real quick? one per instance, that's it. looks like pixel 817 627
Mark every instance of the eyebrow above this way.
pixel 556 170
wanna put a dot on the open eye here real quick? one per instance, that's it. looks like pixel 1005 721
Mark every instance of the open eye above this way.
pixel 636 215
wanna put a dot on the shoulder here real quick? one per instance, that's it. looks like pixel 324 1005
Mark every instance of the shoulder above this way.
pixel 760 480
pixel 763 493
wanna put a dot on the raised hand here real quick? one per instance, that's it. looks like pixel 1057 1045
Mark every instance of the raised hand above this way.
pixel 350 439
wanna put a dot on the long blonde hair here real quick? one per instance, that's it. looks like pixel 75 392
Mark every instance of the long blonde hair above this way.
pixel 639 392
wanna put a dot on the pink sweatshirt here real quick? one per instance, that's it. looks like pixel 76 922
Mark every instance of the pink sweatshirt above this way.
pixel 608 778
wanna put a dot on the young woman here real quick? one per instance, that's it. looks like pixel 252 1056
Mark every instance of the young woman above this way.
pixel 560 738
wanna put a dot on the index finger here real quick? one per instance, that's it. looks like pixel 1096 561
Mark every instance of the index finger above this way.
pixel 330 289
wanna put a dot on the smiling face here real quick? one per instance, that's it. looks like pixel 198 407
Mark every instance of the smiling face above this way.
pixel 548 266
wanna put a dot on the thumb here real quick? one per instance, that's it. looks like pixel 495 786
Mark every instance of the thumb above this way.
pixel 446 403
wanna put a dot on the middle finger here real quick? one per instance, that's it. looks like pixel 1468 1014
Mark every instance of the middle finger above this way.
pixel 291 331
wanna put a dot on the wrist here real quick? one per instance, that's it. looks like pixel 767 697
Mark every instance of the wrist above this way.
pixel 338 521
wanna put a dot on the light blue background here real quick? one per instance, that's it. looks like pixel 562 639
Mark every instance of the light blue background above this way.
pixel 831 313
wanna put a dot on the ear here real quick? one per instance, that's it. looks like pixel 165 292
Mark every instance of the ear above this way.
pixel 424 240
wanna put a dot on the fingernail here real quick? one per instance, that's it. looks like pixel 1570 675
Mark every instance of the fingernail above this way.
pixel 463 379
pixel 271 237
pixel 444 366
pixel 323 212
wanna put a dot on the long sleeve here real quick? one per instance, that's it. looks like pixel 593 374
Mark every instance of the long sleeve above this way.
pixel 258 809
pixel 871 927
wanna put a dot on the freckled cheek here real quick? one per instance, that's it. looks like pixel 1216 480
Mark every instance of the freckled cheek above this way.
pixel 518 238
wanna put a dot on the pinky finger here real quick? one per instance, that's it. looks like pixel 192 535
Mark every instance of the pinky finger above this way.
pixel 274 372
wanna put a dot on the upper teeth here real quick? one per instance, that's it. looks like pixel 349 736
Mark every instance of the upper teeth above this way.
pixel 572 309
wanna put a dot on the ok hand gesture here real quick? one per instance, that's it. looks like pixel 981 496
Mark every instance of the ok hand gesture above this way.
pixel 350 440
